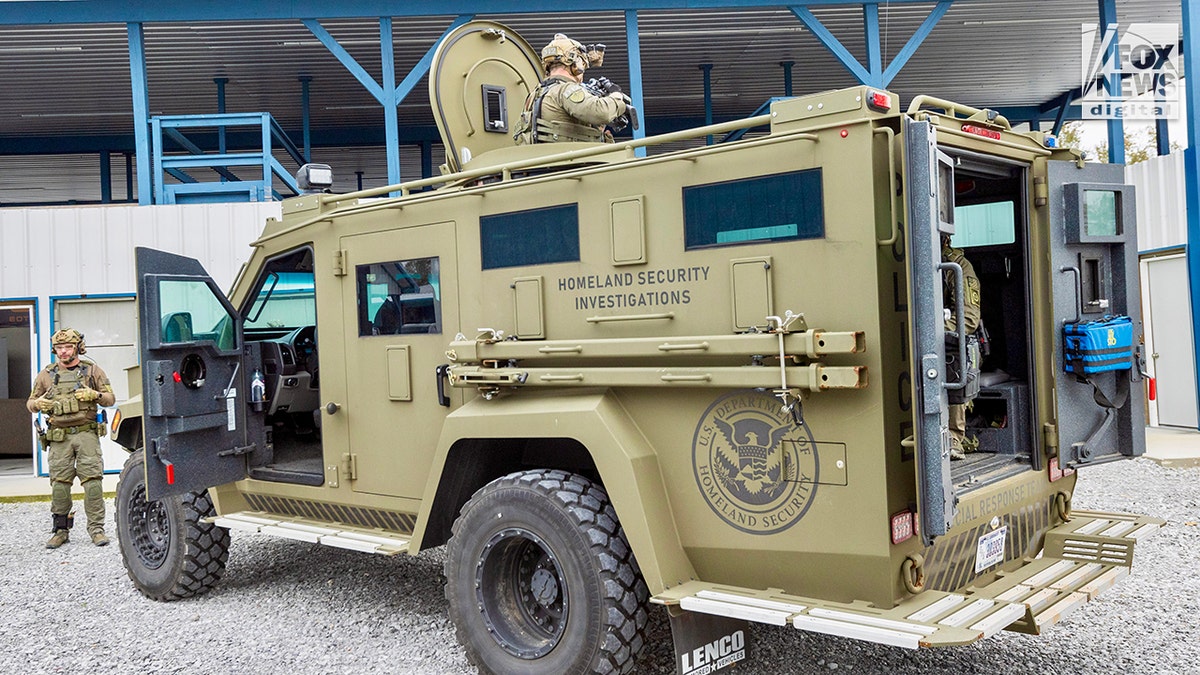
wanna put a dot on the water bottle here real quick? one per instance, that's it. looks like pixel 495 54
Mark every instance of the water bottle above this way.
pixel 258 390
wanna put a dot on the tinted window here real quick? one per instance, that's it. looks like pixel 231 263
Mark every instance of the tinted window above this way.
pixel 189 311
pixel 777 207
pixel 533 237
pixel 984 225
pixel 284 295
pixel 403 296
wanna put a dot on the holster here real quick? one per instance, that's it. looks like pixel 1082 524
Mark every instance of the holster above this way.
pixel 63 521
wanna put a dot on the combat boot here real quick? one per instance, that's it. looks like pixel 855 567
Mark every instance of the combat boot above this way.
pixel 60 537
pixel 99 539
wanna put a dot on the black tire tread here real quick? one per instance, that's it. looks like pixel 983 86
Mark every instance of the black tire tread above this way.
pixel 206 547
pixel 626 595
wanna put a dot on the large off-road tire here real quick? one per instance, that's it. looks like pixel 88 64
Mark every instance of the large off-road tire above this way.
pixel 167 551
pixel 541 580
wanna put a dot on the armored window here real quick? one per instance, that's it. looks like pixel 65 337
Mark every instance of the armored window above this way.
pixel 284 295
pixel 986 224
pixel 189 311
pixel 534 237
pixel 403 296
pixel 769 208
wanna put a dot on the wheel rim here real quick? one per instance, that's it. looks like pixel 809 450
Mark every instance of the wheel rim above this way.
pixel 522 593
pixel 149 527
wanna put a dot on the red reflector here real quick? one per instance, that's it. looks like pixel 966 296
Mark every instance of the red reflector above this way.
pixel 170 474
pixel 879 100
pixel 844 132
pixel 176 376
pixel 1153 388
pixel 902 526
pixel 980 131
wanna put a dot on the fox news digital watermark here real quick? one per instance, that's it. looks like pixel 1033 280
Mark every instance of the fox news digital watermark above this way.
pixel 1130 72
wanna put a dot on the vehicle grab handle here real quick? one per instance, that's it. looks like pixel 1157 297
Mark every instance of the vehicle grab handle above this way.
pixel 959 323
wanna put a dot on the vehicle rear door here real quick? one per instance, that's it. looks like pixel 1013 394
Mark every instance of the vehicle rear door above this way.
pixel 1094 274
pixel 927 210
pixel 193 380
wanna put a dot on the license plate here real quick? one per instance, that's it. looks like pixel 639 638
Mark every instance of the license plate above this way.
pixel 991 549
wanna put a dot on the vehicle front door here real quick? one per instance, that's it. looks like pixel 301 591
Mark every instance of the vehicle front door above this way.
pixel 193 381
pixel 1094 272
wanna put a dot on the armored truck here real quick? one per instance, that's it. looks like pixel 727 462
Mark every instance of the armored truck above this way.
pixel 711 377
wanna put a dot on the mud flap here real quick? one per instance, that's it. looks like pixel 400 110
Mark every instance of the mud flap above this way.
pixel 706 643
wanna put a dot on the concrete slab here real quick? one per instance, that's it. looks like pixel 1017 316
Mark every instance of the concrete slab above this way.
pixel 1173 446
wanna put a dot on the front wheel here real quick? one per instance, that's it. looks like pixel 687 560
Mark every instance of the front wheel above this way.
pixel 167 549
pixel 540 579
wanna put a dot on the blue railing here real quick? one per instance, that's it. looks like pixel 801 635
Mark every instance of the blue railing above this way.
pixel 225 185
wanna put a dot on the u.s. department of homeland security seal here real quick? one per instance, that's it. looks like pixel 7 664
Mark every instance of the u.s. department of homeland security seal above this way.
pixel 754 466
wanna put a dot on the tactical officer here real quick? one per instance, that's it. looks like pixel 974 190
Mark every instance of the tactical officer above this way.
pixel 958 411
pixel 560 108
pixel 69 391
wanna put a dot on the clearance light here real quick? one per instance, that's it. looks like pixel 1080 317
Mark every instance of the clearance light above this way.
pixel 844 133
pixel 1051 142
pixel 903 526
pixel 170 473
pixel 980 131
pixel 880 101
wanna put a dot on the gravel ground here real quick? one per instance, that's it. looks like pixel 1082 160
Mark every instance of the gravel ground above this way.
pixel 286 606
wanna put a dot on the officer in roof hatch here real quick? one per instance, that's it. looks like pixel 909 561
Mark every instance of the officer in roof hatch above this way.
pixel 70 391
pixel 561 108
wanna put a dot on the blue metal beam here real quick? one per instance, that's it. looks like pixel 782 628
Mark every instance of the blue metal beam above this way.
pixel 832 44
pixel 343 56
pixel 105 177
pixel 391 124
pixel 1191 163
pixel 910 47
pixel 1116 127
pixel 141 111
pixel 305 118
pixel 221 82
pixel 787 76
pixel 635 74
pixel 874 47
pixel 45 12
pixel 706 68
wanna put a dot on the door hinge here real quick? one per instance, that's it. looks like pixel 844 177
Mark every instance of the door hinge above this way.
pixel 1041 191
pixel 350 465
pixel 339 263
pixel 1050 438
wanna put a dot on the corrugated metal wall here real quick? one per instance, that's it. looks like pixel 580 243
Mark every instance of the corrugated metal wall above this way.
pixel 1161 201
pixel 70 251
pixel 52 257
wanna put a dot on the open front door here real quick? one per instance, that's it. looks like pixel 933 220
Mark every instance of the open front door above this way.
pixel 193 382
pixel 931 433
pixel 1094 269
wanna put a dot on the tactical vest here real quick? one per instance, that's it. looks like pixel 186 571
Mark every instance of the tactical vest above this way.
pixel 62 391
pixel 532 128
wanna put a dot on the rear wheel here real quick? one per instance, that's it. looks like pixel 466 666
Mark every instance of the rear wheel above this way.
pixel 167 551
pixel 540 578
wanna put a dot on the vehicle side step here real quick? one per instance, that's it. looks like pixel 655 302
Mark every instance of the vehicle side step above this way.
pixel 339 536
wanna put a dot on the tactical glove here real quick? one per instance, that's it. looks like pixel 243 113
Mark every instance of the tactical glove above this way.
pixel 87 394
pixel 45 404
pixel 610 87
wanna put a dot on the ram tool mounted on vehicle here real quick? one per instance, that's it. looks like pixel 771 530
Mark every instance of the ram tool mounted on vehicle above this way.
pixel 712 379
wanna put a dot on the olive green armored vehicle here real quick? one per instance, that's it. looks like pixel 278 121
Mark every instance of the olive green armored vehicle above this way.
pixel 716 379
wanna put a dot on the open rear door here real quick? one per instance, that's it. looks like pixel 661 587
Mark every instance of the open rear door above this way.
pixel 193 382
pixel 927 208
pixel 1094 269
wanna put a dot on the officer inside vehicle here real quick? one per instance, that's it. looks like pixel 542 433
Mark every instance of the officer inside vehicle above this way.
pixel 960 445
pixel 561 108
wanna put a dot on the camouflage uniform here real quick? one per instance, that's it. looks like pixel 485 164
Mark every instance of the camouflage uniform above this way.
pixel 72 440
pixel 958 411
pixel 563 110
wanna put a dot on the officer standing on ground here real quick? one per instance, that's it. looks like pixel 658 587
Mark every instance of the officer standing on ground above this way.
pixel 958 411
pixel 560 108
pixel 69 391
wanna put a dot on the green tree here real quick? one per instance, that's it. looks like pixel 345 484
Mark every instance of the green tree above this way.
pixel 1140 143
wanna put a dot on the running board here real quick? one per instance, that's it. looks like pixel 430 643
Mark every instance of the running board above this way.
pixel 341 536
pixel 1081 559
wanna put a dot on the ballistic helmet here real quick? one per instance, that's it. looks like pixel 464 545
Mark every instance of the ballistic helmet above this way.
pixel 68 336
pixel 572 54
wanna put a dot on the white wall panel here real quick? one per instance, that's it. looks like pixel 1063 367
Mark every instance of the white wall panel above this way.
pixel 1161 201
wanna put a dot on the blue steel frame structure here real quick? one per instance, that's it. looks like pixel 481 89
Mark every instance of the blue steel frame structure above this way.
pixel 389 94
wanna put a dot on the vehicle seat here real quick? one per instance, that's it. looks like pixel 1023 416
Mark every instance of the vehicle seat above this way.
pixel 177 327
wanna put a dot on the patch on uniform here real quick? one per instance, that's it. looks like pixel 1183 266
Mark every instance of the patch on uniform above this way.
pixel 754 466
pixel 575 93
pixel 972 292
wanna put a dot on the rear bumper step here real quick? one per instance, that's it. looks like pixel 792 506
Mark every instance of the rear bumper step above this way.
pixel 336 535
pixel 1081 559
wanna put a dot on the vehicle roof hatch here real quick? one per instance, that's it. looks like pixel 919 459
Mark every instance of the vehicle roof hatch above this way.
pixel 481 74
